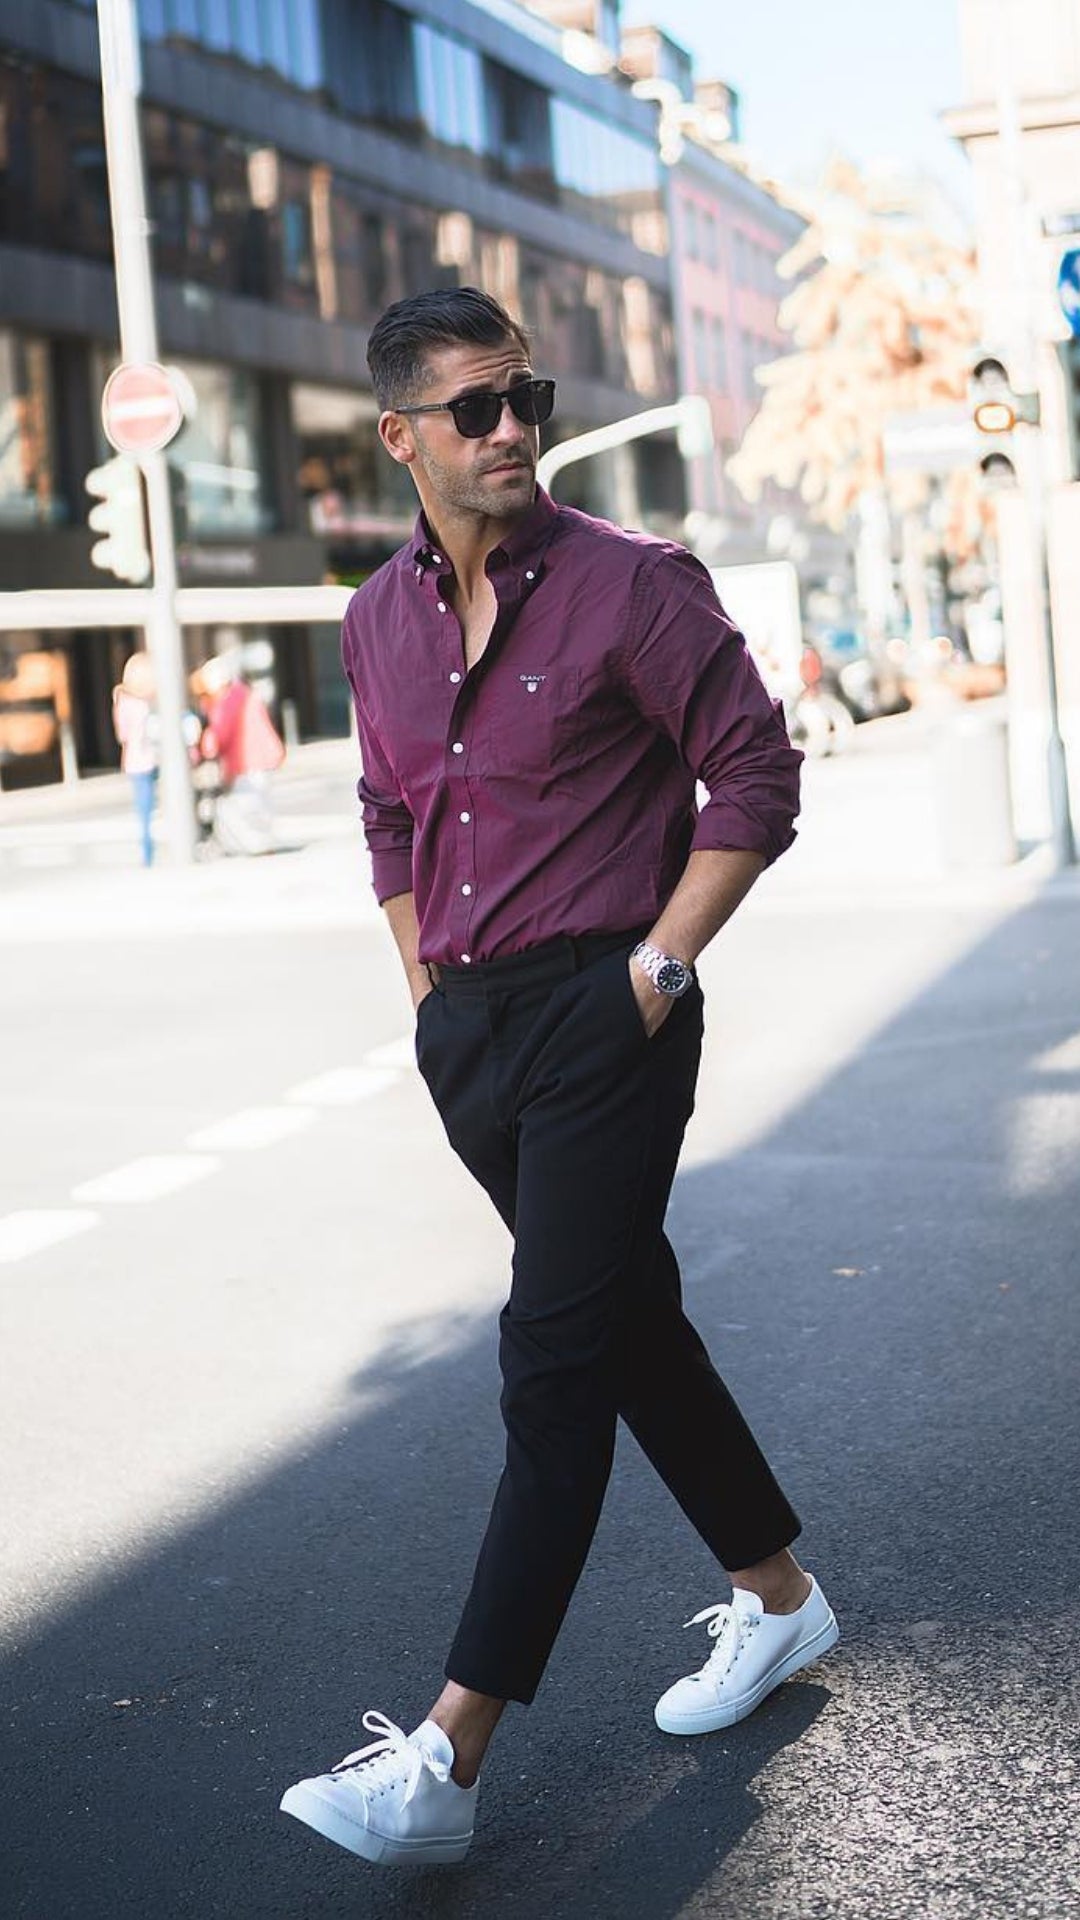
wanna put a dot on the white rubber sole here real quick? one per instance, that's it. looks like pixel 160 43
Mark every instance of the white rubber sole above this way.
pixel 379 1848
pixel 711 1719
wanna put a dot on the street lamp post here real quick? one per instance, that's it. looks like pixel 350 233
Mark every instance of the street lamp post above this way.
pixel 690 415
pixel 120 89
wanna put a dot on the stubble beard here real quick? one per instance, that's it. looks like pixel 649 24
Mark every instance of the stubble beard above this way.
pixel 468 493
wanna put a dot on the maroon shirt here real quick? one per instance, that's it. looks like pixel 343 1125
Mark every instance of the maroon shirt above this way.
pixel 551 789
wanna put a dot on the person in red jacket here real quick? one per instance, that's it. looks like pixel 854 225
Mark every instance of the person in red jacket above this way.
pixel 242 738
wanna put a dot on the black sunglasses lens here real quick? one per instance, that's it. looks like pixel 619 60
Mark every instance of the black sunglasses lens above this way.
pixel 476 414
pixel 533 401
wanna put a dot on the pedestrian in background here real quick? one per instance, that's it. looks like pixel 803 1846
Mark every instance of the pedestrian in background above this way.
pixel 537 693
pixel 135 723
pixel 243 740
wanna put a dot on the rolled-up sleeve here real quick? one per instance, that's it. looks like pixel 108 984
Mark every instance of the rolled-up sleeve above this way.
pixel 690 673
pixel 388 823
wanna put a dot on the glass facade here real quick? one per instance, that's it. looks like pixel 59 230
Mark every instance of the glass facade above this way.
pixel 248 220
pixel 601 172
pixel 283 35
pixel 450 91
pixel 53 188
pixel 217 459
pixel 28 496
pixel 376 62
pixel 346 479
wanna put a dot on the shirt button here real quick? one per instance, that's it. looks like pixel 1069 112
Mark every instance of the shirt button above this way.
pixel 466 959
pixel 458 748
pixel 442 606
pixel 465 818
pixel 437 558
pixel 466 889
pixel 529 574
pixel 455 677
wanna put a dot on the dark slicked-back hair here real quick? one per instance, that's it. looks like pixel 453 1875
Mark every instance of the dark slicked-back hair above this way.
pixel 410 330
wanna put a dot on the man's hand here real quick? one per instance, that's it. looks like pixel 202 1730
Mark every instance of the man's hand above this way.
pixel 653 1007
pixel 419 998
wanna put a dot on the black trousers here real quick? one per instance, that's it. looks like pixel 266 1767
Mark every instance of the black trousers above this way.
pixel 572 1119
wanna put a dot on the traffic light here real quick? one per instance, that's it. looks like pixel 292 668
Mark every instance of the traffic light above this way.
pixel 996 406
pixel 1069 355
pixel 998 471
pixel 119 516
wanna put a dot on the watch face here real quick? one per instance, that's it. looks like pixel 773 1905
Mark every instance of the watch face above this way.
pixel 671 977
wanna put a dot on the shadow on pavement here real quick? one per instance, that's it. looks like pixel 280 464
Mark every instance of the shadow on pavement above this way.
pixel 897 1255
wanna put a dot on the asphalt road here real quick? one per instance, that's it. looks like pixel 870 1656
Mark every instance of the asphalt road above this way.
pixel 251 1432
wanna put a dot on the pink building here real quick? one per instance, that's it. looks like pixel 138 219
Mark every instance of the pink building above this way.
pixel 727 233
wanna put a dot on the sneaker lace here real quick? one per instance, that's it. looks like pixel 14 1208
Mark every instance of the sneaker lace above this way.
pixel 730 1631
pixel 388 1758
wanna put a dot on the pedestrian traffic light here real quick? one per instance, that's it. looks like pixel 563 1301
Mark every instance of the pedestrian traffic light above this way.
pixel 1069 355
pixel 119 516
pixel 998 472
pixel 996 406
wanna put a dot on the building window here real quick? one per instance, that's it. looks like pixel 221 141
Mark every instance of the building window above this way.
pixel 719 356
pixel 450 90
pixel 351 485
pixel 283 35
pixel 218 456
pixel 53 187
pixel 702 367
pixel 28 495
pixel 708 240
pixel 600 171
pixel 691 238
pixel 369 61
pixel 519 128
pixel 296 255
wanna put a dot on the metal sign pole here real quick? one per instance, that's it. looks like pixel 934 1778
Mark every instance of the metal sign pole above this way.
pixel 1029 450
pixel 120 87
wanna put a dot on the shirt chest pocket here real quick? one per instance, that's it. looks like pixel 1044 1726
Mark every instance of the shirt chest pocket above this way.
pixel 531 730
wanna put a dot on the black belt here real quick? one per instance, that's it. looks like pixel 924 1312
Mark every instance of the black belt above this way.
pixel 551 960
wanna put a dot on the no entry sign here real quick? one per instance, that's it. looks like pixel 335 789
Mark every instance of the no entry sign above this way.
pixel 140 409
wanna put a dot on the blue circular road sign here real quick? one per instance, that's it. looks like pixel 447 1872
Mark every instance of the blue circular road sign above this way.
pixel 1069 289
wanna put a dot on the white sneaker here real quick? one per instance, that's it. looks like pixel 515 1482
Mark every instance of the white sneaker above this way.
pixel 754 1651
pixel 393 1801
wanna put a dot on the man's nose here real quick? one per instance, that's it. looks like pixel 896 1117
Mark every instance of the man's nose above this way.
pixel 508 430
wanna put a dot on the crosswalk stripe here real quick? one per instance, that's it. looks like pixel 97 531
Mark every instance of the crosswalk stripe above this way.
pixel 250 1128
pixel 148 1178
pixel 33 1229
pixel 343 1086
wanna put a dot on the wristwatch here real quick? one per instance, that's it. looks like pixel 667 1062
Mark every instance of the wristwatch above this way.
pixel 668 975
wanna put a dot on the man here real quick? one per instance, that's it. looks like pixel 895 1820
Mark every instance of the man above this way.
pixel 537 693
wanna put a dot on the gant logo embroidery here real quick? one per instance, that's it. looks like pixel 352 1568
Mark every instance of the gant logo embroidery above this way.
pixel 531 681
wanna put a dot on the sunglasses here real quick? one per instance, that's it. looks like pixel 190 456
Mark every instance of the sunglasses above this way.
pixel 477 414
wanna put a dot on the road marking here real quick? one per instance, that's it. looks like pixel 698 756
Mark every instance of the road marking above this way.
pixel 343 1086
pixel 153 1176
pixel 1061 1059
pixel 32 1230
pixel 148 1178
pixel 252 1127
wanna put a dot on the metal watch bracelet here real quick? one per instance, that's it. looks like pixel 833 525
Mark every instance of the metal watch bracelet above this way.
pixel 669 976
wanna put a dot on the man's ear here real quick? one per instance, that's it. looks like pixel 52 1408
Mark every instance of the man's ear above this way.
pixel 397 437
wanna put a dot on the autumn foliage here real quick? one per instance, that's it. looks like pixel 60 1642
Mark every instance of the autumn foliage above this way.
pixel 883 321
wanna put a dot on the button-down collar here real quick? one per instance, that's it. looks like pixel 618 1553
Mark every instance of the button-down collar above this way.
pixel 522 551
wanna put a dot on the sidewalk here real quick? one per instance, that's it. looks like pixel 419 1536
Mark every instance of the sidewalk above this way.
pixel 91 823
